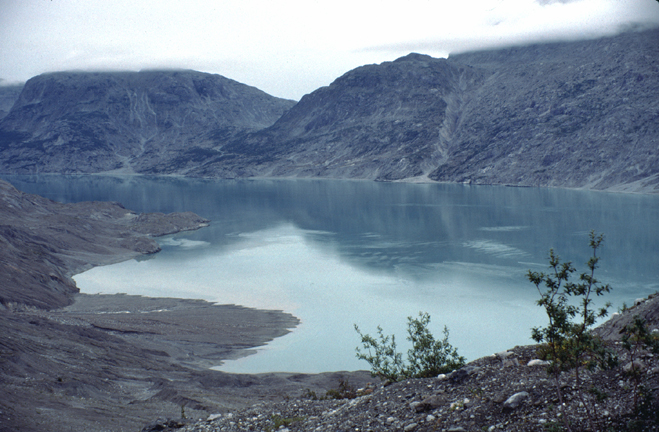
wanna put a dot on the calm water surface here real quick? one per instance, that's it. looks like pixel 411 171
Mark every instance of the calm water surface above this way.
pixel 338 253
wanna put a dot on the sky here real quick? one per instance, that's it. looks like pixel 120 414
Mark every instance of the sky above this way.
pixel 286 48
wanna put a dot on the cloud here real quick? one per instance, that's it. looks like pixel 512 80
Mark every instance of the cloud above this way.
pixel 287 48
pixel 548 2
pixel 522 22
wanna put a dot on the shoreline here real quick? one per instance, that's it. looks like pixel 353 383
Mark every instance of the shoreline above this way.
pixel 196 333
pixel 114 362
pixel 638 187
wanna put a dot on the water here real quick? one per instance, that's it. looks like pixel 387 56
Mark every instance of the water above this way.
pixel 339 253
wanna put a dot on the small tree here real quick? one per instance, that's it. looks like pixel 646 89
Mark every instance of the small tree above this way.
pixel 568 342
pixel 427 357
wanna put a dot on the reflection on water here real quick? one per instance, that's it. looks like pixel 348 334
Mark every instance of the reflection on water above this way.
pixel 336 253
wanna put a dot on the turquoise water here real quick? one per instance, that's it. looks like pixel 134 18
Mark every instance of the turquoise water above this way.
pixel 338 253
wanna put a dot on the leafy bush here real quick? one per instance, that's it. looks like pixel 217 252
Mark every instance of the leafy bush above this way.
pixel 344 391
pixel 427 357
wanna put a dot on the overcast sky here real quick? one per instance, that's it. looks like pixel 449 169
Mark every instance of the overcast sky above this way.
pixel 286 48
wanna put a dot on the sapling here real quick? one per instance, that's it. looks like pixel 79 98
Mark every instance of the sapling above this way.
pixel 568 343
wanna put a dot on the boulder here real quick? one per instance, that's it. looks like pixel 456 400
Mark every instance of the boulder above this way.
pixel 515 400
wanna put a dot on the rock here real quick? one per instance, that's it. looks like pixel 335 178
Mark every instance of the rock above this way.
pixel 538 362
pixel 503 355
pixel 515 400
pixel 145 122
pixel 213 417
pixel 430 403
pixel 508 362
pixel 410 427
pixel 460 375
pixel 637 366
pixel 499 398
pixel 504 116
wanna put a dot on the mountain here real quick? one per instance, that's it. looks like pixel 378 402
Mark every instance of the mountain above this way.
pixel 77 122
pixel 569 114
pixel 582 114
pixel 388 122
pixel 578 114
pixel 8 95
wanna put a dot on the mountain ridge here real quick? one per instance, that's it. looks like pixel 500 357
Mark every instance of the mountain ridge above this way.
pixel 579 114
pixel 88 122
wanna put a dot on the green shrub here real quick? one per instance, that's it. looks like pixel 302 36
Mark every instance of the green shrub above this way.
pixel 279 421
pixel 427 357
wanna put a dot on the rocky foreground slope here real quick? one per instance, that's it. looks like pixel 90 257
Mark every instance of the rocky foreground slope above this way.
pixel 581 114
pixel 508 391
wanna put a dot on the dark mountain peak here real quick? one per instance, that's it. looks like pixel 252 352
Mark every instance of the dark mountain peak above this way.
pixel 416 57
pixel 386 121
pixel 411 70
pixel 103 121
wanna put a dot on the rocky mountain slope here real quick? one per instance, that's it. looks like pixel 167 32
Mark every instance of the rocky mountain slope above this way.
pixel 578 114
pixel 77 122
pixel 8 95
pixel 387 122
pixel 569 114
